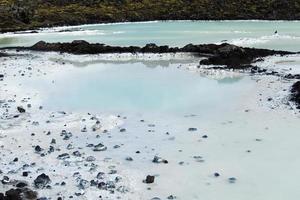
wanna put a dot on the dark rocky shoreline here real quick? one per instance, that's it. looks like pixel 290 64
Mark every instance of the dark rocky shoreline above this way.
pixel 224 54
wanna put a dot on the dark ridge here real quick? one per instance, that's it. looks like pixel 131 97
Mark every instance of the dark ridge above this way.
pixel 17 15
pixel 295 93
pixel 3 55
pixel 224 54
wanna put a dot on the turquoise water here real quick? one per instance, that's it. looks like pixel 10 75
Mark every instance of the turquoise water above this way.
pixel 173 33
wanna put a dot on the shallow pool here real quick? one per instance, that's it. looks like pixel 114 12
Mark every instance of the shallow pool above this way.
pixel 138 87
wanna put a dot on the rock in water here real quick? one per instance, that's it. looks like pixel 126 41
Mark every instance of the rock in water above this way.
pixel 41 181
pixel 192 129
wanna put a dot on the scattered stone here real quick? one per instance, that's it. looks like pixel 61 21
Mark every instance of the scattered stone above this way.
pixel 149 179
pixel 122 130
pixel 5 180
pixel 25 174
pixel 63 156
pixel 90 159
pixel 76 153
pixel 83 184
pixel 21 109
pixel 129 158
pixel 21 185
pixel 42 181
pixel 100 175
pixel 158 160
pixel 84 130
pixel 216 174
pixel 232 180
pixel 53 141
pixel 171 197
pixel 99 147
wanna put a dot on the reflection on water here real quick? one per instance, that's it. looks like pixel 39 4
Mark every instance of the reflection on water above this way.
pixel 135 87
pixel 230 80
pixel 146 63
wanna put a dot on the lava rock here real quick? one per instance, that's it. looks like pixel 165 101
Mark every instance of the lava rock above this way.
pixel 149 179
pixel 42 181
pixel 158 160
pixel 295 93
pixel 63 156
pixel 38 149
pixel 99 147
pixel 232 180
pixel 192 129
pixel 21 109
pixel 21 185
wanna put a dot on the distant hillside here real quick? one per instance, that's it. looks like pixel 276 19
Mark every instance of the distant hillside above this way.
pixel 27 14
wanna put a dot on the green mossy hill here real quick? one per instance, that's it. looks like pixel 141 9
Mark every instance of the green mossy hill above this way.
pixel 28 14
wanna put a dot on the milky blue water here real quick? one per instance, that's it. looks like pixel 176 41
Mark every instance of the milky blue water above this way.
pixel 173 33
pixel 136 88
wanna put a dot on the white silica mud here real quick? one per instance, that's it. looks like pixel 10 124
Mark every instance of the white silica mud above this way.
pixel 99 125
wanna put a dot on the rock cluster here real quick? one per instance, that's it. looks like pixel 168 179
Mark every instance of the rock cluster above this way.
pixel 224 54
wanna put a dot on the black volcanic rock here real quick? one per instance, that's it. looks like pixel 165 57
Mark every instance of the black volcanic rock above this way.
pixel 21 109
pixel 3 55
pixel 19 194
pixel 149 179
pixel 237 57
pixel 296 93
pixel 224 54
pixel 42 181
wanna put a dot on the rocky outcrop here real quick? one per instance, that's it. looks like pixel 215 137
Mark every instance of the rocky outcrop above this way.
pixel 19 194
pixel 225 54
pixel 237 57
pixel 3 55
pixel 295 90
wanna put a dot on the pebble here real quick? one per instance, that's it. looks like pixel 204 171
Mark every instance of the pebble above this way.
pixel 149 179
pixel 158 160
pixel 63 156
pixel 192 129
pixel 232 180
pixel 21 109
pixel 99 147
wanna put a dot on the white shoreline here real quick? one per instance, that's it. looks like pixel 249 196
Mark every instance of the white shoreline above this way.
pixel 223 151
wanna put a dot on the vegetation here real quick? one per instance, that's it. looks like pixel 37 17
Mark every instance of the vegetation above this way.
pixel 28 14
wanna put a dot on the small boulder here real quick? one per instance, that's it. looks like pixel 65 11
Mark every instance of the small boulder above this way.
pixel 21 109
pixel 42 181
pixel 149 179
pixel 99 147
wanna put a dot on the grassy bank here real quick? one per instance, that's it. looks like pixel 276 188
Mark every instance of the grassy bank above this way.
pixel 20 15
